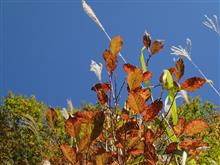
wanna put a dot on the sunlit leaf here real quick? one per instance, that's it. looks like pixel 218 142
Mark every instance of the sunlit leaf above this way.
pixel 171 147
pixel 136 102
pixel 147 76
pixel 68 152
pixel 195 127
pixel 145 93
pixel 72 126
pixel 149 136
pixel 136 152
pixel 135 76
pixel 178 128
pixel 102 159
pixel 101 89
pixel 150 154
pixel 116 45
pixel 156 46
pixel 84 142
pixel 147 40
pixel 189 144
pixel 193 84
pixel 179 69
pixel 51 117
pixel 152 110
pixel 111 61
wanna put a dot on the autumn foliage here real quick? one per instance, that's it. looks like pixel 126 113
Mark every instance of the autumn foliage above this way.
pixel 141 132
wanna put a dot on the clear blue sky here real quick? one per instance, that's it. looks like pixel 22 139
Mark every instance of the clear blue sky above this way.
pixel 47 45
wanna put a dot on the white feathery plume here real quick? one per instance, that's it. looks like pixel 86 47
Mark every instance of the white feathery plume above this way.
pixel 65 113
pixel 212 24
pixel 88 10
pixel 180 51
pixel 97 69
pixel 184 157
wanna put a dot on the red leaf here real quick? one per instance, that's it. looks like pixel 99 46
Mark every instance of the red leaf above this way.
pixel 152 110
pixel 171 148
pixel 150 154
pixel 193 84
pixel 105 87
pixel 129 68
pixel 195 127
pixel 147 76
pixel 149 136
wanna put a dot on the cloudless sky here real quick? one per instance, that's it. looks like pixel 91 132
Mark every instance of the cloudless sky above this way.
pixel 46 46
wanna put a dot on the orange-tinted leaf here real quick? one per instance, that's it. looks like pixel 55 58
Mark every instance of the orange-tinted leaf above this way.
pixel 145 93
pixel 194 127
pixel 116 45
pixel 111 61
pixel 51 117
pixel 68 152
pixel 147 76
pixel 152 110
pixel 129 68
pixel 149 136
pixel 101 87
pixel 171 148
pixel 147 40
pixel 192 144
pixel 156 47
pixel 193 84
pixel 72 126
pixel 178 129
pixel 102 159
pixel 135 152
pixel 84 143
pixel 136 102
pixel 150 154
pixel 135 79
pixel 179 69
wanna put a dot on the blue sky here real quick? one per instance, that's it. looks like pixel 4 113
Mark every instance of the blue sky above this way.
pixel 47 45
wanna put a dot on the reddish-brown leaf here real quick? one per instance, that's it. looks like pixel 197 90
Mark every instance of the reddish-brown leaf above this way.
pixel 111 61
pixel 136 102
pixel 98 122
pixel 147 40
pixel 178 128
pixel 193 84
pixel 147 76
pixel 152 110
pixel 145 93
pixel 179 69
pixel 136 152
pixel 102 159
pixel 105 87
pixel 171 148
pixel 129 68
pixel 149 136
pixel 51 117
pixel 195 127
pixel 72 126
pixel 125 115
pixel 192 144
pixel 156 47
pixel 84 142
pixel 68 152
pixel 102 97
pixel 150 154
pixel 116 45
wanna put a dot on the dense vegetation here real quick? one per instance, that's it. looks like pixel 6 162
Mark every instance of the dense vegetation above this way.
pixel 144 131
